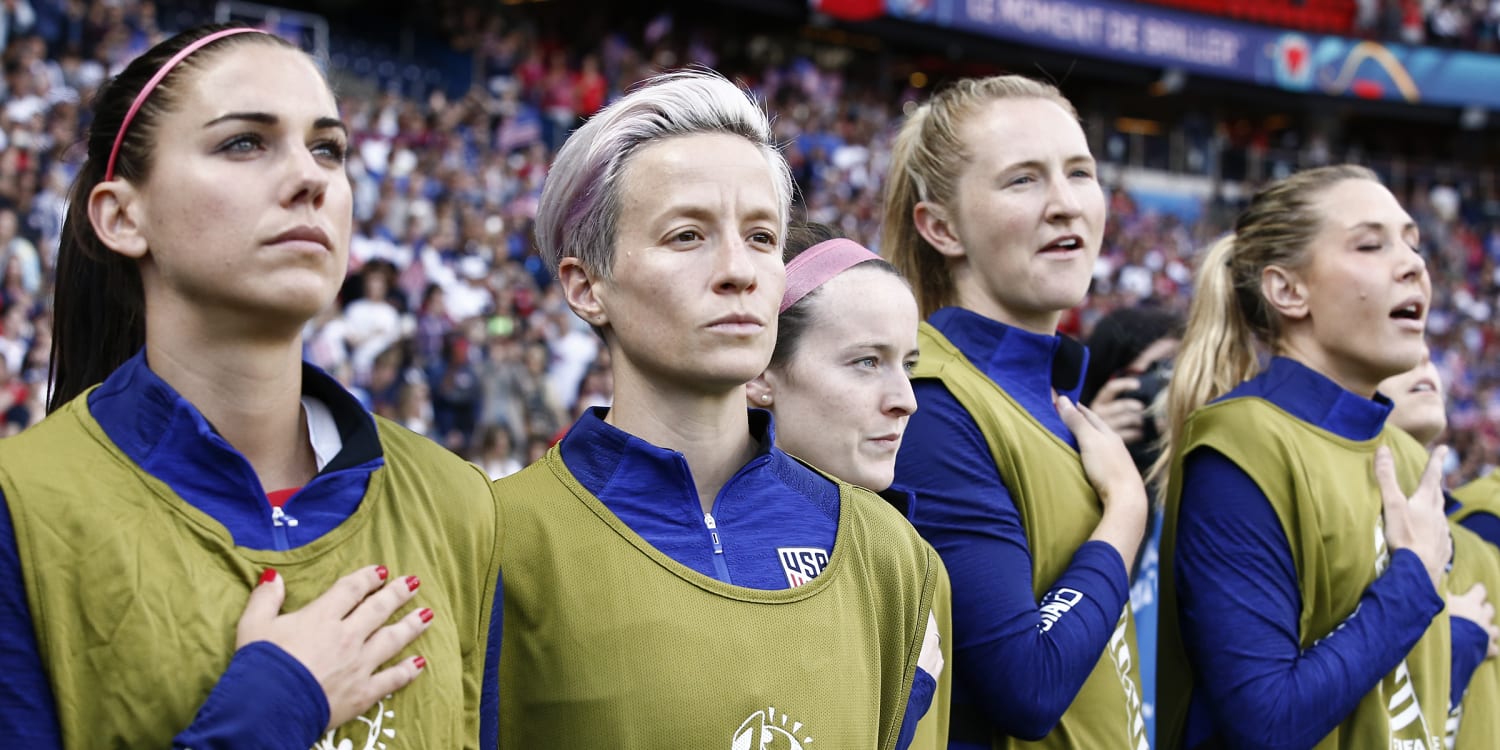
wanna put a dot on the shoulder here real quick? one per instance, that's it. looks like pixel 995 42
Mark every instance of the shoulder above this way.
pixel 1242 428
pixel 49 450
pixel 398 441
pixel 884 526
pixel 416 466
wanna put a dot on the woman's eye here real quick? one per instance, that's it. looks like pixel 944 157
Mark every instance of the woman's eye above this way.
pixel 909 367
pixel 1083 173
pixel 764 238
pixel 688 235
pixel 330 150
pixel 241 144
pixel 867 362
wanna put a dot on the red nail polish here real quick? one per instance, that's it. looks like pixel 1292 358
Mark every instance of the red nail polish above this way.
pixel 426 615
pixel 268 575
pixel 412 582
pixel 420 662
pixel 381 571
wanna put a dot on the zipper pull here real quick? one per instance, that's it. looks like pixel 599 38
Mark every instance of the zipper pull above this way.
pixel 713 532
pixel 280 518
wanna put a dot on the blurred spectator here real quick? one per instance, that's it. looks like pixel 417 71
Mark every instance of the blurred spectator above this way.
pixel 497 453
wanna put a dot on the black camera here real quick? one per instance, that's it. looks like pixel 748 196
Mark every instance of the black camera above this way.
pixel 1153 381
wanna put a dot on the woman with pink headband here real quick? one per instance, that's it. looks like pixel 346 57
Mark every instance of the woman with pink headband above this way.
pixel 195 478
pixel 839 386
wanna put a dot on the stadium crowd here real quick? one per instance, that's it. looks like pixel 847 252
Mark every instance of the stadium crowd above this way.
pixel 449 321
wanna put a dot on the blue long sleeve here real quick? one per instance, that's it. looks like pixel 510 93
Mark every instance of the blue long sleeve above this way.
pixel 1471 644
pixel 1239 606
pixel 963 509
pixel 1486 525
pixel 923 686
pixel 265 700
pixel 26 707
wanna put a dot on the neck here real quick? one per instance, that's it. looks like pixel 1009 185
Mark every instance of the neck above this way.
pixel 711 430
pixel 1320 360
pixel 1043 322
pixel 250 391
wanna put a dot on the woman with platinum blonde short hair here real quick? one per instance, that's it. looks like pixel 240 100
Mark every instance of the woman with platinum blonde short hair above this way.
pixel 674 580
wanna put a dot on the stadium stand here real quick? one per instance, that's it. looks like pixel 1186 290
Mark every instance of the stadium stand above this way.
pixel 449 321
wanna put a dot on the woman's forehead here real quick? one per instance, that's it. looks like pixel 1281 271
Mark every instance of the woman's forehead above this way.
pixel 259 77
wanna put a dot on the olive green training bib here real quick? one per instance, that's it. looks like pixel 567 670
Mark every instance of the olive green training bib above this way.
pixel 1476 721
pixel 609 643
pixel 135 594
pixel 1059 510
pixel 1323 489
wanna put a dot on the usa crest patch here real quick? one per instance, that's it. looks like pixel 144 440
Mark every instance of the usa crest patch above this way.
pixel 802 564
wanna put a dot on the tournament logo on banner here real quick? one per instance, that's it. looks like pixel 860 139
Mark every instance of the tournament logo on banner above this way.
pixel 1292 62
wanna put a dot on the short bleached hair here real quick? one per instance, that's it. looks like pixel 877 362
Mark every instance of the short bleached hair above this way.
pixel 579 212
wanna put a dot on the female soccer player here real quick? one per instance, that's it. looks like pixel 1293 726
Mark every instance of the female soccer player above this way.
pixel 672 578
pixel 995 213
pixel 191 456
pixel 839 388
pixel 1419 409
pixel 1304 545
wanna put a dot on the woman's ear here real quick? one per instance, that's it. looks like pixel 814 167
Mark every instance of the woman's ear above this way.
pixel 581 288
pixel 758 392
pixel 115 211
pixel 935 226
pixel 1285 292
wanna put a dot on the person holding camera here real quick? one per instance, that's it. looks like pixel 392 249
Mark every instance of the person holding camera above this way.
pixel 1130 364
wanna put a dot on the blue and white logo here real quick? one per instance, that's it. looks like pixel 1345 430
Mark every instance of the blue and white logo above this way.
pixel 802 564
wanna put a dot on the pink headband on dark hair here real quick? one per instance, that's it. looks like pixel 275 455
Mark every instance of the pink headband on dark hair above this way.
pixel 819 263
pixel 140 98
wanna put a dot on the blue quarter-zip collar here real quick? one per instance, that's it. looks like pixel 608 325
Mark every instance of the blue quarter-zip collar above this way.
pixel 1314 398
pixel 170 439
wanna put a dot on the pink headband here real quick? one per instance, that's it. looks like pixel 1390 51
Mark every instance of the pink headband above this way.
pixel 819 263
pixel 140 98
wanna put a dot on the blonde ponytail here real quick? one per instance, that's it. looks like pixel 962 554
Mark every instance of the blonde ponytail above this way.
pixel 1217 353
pixel 903 245
pixel 1229 314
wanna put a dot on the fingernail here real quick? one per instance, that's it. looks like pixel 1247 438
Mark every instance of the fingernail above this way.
pixel 381 571
pixel 420 662
pixel 1064 401
pixel 268 575
pixel 412 582
pixel 426 615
